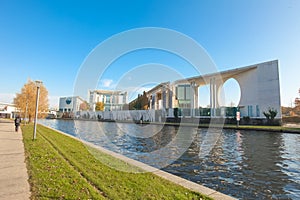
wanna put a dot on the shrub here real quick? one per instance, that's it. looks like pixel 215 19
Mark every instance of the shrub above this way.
pixel 270 115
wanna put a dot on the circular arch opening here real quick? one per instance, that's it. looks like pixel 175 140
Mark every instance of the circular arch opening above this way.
pixel 230 93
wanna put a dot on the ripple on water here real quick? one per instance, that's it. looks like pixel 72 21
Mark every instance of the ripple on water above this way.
pixel 243 164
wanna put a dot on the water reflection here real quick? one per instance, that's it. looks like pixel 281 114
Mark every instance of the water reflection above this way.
pixel 291 163
pixel 262 154
pixel 243 164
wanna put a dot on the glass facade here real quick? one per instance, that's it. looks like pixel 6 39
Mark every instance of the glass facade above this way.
pixel 183 94
pixel 250 111
pixel 113 100
pixel 257 111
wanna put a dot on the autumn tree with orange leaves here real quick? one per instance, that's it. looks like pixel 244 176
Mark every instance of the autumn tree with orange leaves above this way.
pixel 99 106
pixel 25 101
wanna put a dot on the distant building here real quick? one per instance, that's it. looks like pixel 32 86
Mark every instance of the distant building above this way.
pixel 259 84
pixel 113 100
pixel 160 96
pixel 70 104
pixel 8 110
pixel 52 114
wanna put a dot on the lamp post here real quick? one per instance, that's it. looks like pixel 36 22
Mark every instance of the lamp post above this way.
pixel 38 85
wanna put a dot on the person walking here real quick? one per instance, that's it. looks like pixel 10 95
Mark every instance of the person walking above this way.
pixel 17 123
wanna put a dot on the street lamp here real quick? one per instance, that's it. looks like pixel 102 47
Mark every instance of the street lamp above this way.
pixel 38 85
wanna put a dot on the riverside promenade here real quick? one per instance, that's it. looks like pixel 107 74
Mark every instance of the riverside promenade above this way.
pixel 13 172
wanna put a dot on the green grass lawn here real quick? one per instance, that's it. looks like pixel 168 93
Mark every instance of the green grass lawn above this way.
pixel 63 168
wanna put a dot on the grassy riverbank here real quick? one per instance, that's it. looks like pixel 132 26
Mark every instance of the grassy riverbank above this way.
pixel 62 168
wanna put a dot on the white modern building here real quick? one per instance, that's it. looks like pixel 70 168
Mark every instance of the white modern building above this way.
pixel 113 100
pixel 8 110
pixel 259 92
pixel 70 104
pixel 259 85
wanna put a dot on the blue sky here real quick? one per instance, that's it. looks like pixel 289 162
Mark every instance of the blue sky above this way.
pixel 49 40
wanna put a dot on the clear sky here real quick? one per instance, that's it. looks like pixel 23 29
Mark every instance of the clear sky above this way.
pixel 49 40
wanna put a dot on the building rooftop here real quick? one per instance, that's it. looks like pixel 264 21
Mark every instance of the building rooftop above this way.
pixel 108 91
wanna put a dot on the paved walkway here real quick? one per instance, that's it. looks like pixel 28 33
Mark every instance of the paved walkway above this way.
pixel 292 125
pixel 13 173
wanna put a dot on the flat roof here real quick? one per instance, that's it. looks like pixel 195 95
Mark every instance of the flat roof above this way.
pixel 108 91
pixel 158 86
pixel 7 104
pixel 202 80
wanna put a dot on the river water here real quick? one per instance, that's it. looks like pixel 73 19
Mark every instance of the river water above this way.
pixel 242 164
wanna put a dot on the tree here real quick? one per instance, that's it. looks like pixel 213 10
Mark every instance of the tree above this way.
pixel 144 101
pixel 99 106
pixel 270 115
pixel 297 102
pixel 140 103
pixel 26 100
pixel 84 106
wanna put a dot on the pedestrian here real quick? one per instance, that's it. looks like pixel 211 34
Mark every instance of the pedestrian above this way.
pixel 17 123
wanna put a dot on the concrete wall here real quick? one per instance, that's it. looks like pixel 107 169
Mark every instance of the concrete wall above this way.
pixel 260 89
pixel 121 115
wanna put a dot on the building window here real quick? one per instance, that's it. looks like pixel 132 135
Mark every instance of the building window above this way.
pixel 113 99
pixel 183 92
pixel 180 92
pixel 257 111
pixel 107 99
pixel 187 92
pixel 250 111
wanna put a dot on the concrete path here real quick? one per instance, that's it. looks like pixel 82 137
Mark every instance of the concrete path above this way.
pixel 13 173
pixel 292 125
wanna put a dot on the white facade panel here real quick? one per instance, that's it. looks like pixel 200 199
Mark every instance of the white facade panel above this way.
pixel 70 104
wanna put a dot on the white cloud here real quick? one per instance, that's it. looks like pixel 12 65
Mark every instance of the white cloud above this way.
pixel 7 98
pixel 53 101
pixel 106 83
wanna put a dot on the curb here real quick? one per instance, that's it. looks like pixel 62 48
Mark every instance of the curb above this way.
pixel 165 175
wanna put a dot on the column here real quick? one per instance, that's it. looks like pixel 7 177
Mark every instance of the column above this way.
pixel 213 95
pixel 194 98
